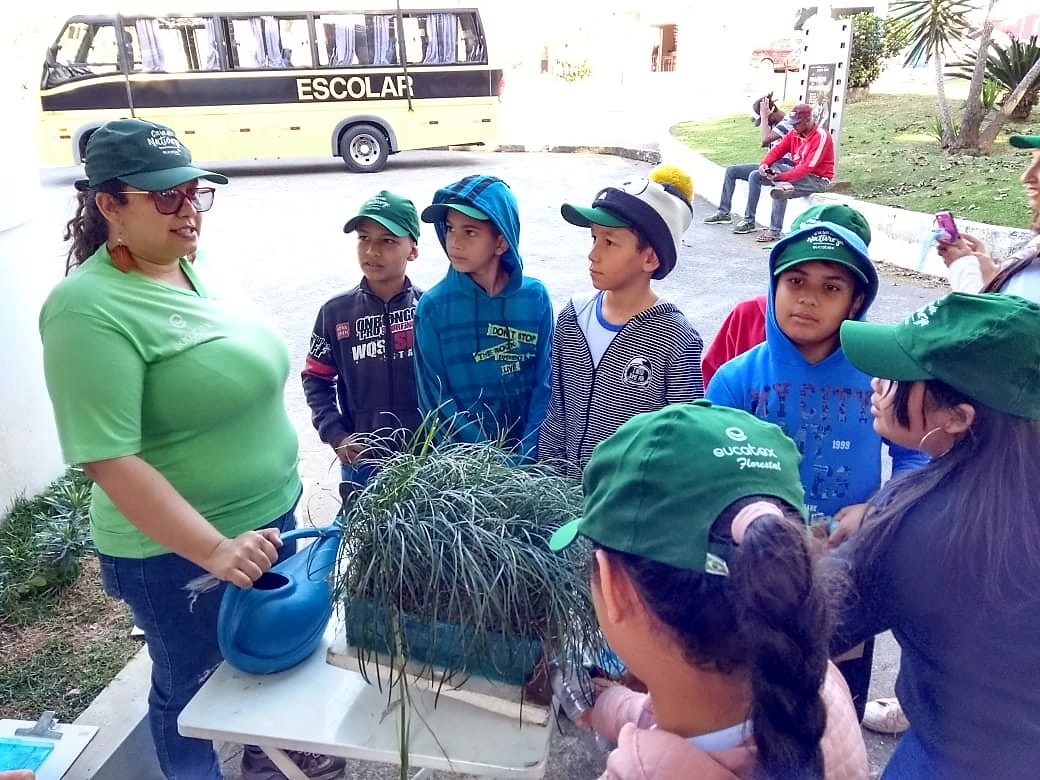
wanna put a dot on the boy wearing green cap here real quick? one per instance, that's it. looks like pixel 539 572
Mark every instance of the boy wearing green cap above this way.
pixel 358 377
pixel 799 379
pixel 622 349
pixel 745 325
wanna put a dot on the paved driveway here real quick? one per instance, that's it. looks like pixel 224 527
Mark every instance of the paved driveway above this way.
pixel 278 228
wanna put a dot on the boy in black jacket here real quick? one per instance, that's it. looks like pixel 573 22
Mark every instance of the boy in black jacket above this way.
pixel 359 379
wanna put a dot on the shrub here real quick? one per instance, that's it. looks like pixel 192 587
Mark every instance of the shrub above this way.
pixel 868 47
pixel 1007 66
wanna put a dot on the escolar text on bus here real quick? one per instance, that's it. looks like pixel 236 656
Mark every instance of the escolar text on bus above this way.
pixel 354 87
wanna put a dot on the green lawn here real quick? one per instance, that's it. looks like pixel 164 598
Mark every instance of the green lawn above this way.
pixel 888 156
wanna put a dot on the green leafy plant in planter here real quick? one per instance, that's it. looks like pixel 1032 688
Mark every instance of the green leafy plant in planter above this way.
pixel 444 562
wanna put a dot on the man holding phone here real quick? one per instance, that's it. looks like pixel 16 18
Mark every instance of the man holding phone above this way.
pixel 773 126
pixel 811 151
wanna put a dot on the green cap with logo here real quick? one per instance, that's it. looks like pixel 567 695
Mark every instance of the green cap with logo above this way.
pixel 1025 141
pixel 985 346
pixel 394 212
pixel 655 487
pixel 142 154
pixel 840 242
pixel 836 213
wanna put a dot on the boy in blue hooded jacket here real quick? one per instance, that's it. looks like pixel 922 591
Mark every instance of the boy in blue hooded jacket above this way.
pixel 800 379
pixel 483 333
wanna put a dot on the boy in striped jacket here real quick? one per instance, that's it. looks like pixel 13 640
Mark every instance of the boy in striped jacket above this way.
pixel 622 350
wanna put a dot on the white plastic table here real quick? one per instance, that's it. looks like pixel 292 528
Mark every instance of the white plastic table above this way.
pixel 320 708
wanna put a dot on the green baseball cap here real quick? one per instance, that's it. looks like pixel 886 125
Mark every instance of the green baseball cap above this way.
pixel 436 212
pixel 587 216
pixel 655 487
pixel 142 154
pixel 394 212
pixel 836 213
pixel 1025 141
pixel 985 346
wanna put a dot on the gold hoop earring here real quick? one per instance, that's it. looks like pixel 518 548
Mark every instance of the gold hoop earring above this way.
pixel 920 444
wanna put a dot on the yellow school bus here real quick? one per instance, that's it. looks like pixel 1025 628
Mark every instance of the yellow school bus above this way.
pixel 360 83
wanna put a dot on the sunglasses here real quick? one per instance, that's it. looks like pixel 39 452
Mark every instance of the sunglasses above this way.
pixel 171 201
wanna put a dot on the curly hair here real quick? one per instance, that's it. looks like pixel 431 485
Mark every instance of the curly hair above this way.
pixel 88 228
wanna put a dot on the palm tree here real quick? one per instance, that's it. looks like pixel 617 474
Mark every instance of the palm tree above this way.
pixel 933 28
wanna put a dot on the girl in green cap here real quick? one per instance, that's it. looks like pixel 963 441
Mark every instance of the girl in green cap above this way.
pixel 949 556
pixel 704 586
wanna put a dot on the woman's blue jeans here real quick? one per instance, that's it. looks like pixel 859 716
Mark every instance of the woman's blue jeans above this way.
pixel 182 641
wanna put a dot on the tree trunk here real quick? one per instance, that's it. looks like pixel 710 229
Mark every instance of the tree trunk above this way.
pixel 971 120
pixel 997 123
pixel 945 119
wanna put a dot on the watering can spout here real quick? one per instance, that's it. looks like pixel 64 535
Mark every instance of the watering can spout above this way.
pixel 278 622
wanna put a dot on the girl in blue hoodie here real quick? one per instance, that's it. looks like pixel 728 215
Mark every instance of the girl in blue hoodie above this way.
pixel 483 333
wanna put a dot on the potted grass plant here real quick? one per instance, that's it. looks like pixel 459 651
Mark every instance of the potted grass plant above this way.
pixel 446 574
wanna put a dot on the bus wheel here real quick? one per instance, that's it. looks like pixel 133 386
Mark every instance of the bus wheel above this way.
pixel 364 148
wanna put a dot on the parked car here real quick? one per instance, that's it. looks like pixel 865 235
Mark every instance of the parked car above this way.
pixel 780 55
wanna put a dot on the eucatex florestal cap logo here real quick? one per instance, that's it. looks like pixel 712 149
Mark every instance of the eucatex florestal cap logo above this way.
pixel 748 455
pixel 824 239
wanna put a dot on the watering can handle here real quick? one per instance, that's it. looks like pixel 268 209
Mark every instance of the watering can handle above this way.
pixel 306 533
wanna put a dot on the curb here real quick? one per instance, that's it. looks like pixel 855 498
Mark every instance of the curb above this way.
pixel 122 747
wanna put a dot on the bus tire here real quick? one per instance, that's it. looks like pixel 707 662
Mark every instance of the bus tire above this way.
pixel 364 148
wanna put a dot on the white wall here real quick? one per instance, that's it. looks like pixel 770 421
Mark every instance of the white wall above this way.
pixel 29 454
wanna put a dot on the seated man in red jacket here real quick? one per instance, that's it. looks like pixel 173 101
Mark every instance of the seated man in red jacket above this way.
pixel 810 170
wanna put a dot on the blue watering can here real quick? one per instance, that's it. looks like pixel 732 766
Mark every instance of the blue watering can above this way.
pixel 278 622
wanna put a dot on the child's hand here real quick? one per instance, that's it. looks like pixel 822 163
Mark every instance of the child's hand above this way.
pixel 348 451
pixel 849 518
pixel 598 685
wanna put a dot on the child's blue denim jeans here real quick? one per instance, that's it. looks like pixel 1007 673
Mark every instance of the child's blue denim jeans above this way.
pixel 182 642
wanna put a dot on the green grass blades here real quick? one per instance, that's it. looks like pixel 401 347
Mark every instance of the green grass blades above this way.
pixel 42 541
pixel 889 156
pixel 457 534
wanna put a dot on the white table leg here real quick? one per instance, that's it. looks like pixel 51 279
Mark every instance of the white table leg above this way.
pixel 281 760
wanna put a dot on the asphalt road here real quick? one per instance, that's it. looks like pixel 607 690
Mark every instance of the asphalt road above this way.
pixel 278 229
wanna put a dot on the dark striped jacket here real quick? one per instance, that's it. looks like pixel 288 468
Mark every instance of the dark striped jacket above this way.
pixel 655 360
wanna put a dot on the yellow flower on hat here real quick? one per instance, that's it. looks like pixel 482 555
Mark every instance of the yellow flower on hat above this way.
pixel 678 178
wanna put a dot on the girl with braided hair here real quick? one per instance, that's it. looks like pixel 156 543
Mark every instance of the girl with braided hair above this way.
pixel 704 585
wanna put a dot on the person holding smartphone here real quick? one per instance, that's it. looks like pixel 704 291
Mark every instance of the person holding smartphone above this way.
pixel 973 269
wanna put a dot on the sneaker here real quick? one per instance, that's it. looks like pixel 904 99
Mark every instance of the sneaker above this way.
pixel 257 765
pixel 745 226
pixel 885 716
pixel 719 218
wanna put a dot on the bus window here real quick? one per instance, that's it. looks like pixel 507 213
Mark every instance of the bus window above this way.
pixel 257 43
pixel 295 37
pixel 381 38
pixel 83 50
pixel 443 39
pixel 338 38
pixel 172 44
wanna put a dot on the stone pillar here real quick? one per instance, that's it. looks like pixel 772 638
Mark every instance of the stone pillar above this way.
pixel 29 455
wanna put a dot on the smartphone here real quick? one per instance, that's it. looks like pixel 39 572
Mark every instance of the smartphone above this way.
pixel 944 220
